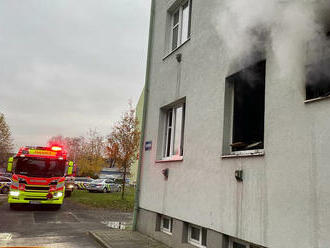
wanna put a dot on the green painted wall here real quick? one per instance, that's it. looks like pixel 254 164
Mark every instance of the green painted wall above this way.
pixel 139 113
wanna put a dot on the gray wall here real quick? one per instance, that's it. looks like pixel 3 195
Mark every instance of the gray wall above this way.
pixel 284 198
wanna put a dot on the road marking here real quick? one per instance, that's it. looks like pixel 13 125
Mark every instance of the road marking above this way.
pixel 6 236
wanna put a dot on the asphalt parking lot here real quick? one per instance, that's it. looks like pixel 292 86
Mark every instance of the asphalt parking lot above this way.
pixel 67 227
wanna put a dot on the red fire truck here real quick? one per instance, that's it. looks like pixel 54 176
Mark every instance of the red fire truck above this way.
pixel 38 176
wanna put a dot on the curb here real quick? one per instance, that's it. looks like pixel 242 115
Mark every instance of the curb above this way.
pixel 99 240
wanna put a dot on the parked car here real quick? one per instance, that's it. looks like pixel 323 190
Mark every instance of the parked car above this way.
pixel 69 185
pixel 5 183
pixel 82 182
pixel 104 185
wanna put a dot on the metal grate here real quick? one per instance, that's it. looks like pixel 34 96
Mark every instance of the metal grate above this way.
pixel 38 188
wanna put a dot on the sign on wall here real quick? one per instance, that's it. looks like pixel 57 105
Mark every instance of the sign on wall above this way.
pixel 148 146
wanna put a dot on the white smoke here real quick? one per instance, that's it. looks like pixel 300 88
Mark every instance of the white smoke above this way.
pixel 287 27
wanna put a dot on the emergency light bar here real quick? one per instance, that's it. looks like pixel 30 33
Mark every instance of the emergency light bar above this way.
pixel 50 152
pixel 56 148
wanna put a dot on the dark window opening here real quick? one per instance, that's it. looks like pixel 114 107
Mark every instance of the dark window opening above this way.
pixel 166 223
pixel 318 80
pixel 204 236
pixel 249 108
pixel 238 245
pixel 195 233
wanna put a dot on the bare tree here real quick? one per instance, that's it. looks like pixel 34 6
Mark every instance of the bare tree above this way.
pixel 123 143
pixel 6 142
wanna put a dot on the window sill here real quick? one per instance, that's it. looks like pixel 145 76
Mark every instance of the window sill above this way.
pixel 317 99
pixel 168 160
pixel 248 153
pixel 166 232
pixel 176 49
pixel 195 243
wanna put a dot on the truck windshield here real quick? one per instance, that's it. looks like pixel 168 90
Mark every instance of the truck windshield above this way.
pixel 34 167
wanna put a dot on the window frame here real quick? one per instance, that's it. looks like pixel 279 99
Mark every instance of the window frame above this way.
pixel 321 52
pixel 195 242
pixel 246 244
pixel 162 228
pixel 229 116
pixel 180 39
pixel 169 142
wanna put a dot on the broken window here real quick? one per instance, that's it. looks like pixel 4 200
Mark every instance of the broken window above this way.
pixel 317 72
pixel 248 109
pixel 318 80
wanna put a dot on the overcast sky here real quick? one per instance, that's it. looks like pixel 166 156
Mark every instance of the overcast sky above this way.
pixel 70 65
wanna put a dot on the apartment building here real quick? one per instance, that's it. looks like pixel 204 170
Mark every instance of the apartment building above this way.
pixel 237 148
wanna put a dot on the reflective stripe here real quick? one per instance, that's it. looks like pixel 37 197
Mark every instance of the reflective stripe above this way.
pixel 81 185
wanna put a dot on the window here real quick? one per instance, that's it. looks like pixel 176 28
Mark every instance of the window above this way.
pixel 174 129
pixel 234 243
pixel 166 224
pixel 180 24
pixel 317 72
pixel 197 235
pixel 246 116
pixel 318 80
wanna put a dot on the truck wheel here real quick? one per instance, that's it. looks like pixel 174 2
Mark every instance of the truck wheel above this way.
pixel 5 190
pixel 105 190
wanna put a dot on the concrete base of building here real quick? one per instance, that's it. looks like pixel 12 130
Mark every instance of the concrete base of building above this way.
pixel 148 223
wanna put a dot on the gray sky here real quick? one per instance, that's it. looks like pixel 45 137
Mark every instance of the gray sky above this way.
pixel 70 65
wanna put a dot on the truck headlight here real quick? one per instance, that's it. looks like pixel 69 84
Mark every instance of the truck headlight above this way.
pixel 14 193
pixel 58 194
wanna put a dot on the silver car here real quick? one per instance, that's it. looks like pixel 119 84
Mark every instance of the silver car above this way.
pixel 104 185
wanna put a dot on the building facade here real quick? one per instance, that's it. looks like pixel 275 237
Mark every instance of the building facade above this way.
pixel 237 152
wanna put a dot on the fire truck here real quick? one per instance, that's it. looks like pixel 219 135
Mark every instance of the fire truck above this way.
pixel 38 176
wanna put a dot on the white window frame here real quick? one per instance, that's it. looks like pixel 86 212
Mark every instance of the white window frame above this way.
pixel 180 24
pixel 195 242
pixel 173 129
pixel 233 240
pixel 162 228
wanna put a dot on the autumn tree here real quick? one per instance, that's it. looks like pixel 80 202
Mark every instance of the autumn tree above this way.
pixel 6 142
pixel 123 143
pixel 91 157
pixel 87 152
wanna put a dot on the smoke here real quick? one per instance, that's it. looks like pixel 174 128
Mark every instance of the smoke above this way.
pixel 286 28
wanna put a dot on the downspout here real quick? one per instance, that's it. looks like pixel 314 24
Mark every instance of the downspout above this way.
pixel 144 116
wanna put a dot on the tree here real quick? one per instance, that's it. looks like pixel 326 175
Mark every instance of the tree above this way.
pixel 123 143
pixel 6 142
pixel 91 157
pixel 87 152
